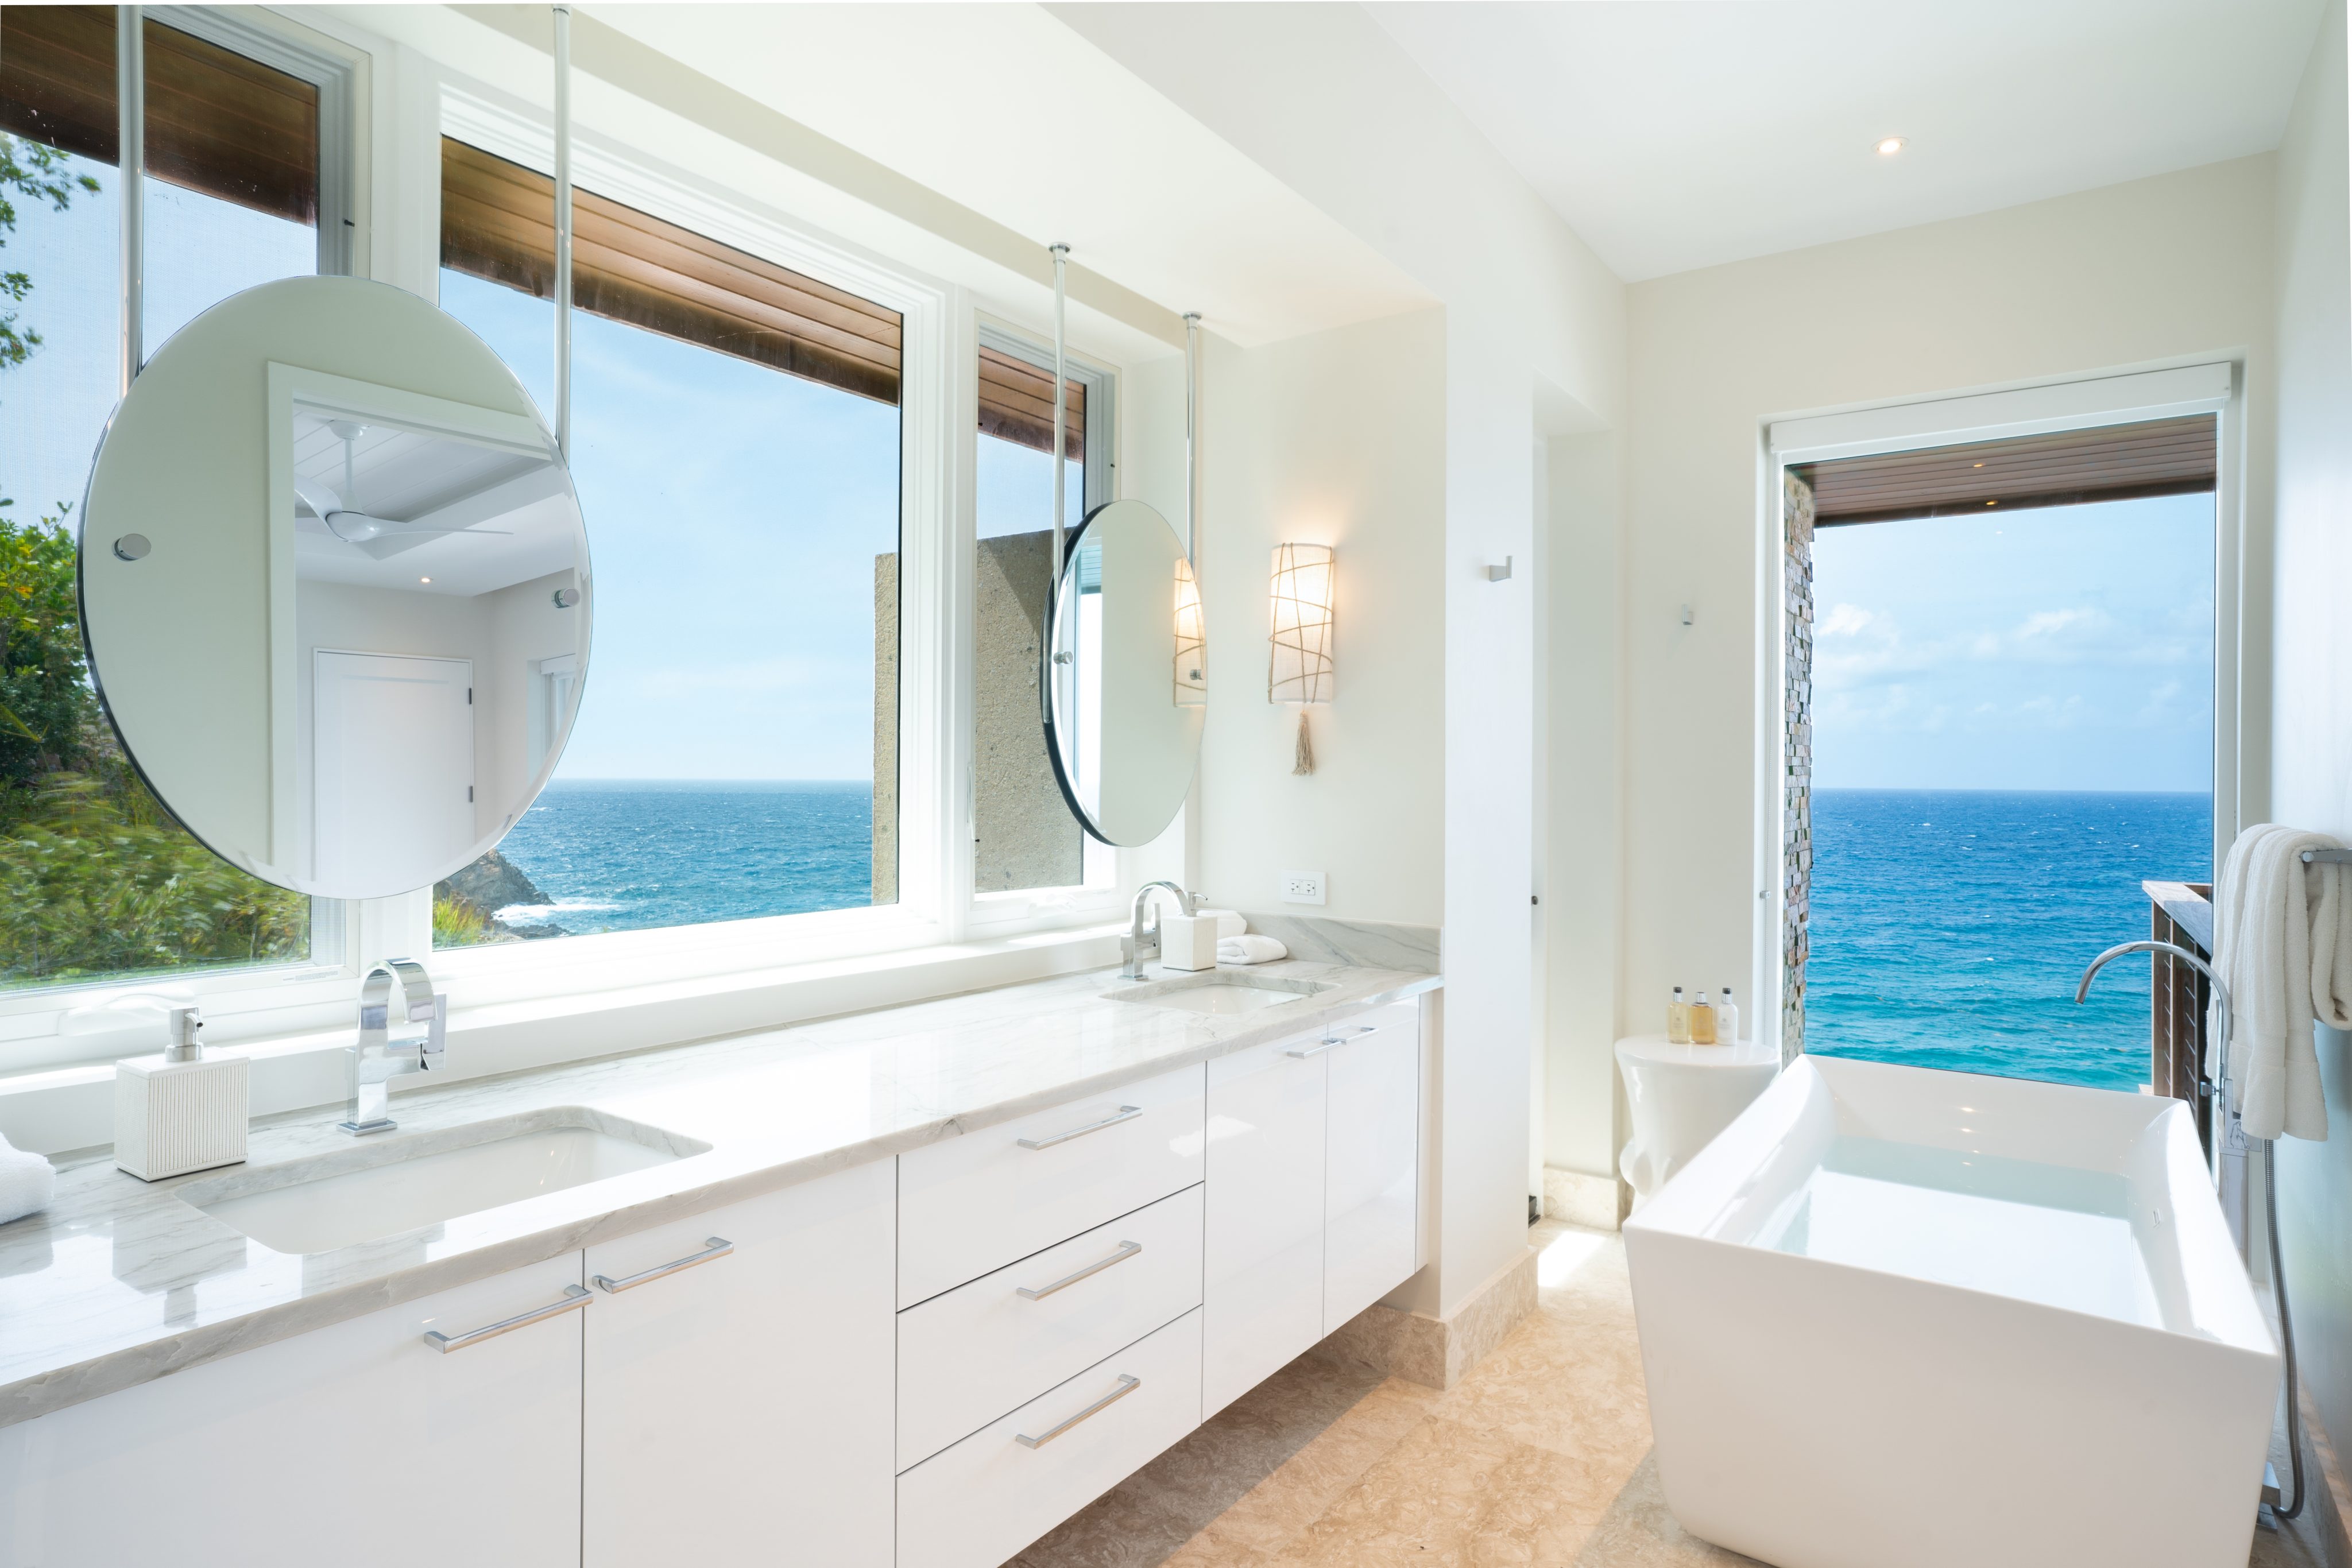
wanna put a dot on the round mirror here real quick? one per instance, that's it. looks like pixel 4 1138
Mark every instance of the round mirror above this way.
pixel 334 584
pixel 1124 674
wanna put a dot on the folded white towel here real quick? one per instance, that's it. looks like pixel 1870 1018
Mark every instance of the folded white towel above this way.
pixel 26 1181
pixel 1250 949
pixel 2284 931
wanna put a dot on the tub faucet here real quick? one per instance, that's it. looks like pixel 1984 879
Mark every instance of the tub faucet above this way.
pixel 379 1057
pixel 2214 1074
pixel 1139 943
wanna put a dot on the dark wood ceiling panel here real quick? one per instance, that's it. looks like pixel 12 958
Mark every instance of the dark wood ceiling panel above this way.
pixel 2064 469
pixel 216 122
pixel 1016 405
pixel 498 221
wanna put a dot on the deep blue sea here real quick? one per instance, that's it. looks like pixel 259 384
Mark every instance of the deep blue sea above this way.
pixel 1949 926
pixel 627 855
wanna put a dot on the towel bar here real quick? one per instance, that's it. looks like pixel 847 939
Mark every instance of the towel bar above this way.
pixel 2327 857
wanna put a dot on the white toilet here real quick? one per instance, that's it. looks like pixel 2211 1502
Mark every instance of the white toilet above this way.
pixel 1682 1096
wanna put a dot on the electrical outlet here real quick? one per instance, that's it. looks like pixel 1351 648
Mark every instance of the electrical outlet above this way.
pixel 1302 887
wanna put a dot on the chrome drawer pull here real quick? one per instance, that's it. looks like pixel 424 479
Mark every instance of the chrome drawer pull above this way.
pixel 1125 1113
pixel 1329 1041
pixel 1125 1250
pixel 712 1246
pixel 1127 1385
pixel 574 1296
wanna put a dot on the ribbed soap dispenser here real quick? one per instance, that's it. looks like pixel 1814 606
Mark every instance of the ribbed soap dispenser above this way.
pixel 182 1110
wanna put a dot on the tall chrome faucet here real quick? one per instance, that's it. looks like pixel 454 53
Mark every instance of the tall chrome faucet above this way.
pixel 1139 944
pixel 379 1057
pixel 2214 1074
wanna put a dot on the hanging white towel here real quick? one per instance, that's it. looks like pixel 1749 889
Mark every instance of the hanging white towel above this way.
pixel 1250 949
pixel 27 1180
pixel 2284 931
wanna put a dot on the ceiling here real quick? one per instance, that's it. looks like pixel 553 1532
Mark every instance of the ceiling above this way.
pixel 1684 134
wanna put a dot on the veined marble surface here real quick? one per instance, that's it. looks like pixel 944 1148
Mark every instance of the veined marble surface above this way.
pixel 120 1281
pixel 1367 944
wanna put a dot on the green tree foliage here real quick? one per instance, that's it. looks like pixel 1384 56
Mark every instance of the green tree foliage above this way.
pixel 95 878
pixel 37 173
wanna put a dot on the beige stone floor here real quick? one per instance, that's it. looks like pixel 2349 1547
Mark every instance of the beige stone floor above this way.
pixel 1539 1457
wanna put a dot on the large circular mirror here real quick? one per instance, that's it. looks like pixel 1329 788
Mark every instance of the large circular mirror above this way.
pixel 334 584
pixel 1124 674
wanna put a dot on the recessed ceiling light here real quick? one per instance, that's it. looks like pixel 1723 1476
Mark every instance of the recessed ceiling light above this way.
pixel 1889 146
pixel 424 579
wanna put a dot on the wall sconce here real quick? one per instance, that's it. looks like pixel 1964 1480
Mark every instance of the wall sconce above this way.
pixel 1301 668
pixel 1191 675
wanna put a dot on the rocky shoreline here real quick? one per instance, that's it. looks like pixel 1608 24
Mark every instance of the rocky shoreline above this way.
pixel 494 882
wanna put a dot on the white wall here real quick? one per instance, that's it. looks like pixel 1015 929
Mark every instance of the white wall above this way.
pixel 2312 751
pixel 1327 102
pixel 2165 270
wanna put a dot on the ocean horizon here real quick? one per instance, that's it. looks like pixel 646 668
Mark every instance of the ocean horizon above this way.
pixel 1949 926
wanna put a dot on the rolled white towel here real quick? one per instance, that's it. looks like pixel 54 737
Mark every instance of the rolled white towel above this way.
pixel 1250 949
pixel 27 1180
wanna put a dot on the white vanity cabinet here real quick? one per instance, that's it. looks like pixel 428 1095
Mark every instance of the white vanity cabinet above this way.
pixel 355 1444
pixel 739 1408
pixel 1314 1183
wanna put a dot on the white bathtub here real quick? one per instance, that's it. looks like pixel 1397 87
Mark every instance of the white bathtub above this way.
pixel 1893 1316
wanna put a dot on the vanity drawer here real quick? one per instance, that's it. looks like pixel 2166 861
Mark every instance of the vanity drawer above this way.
pixel 982 1500
pixel 968 1356
pixel 969 1205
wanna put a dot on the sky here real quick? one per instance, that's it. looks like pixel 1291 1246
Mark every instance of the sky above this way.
pixel 2055 648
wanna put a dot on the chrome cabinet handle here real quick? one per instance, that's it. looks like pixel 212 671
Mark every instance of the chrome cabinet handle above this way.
pixel 1125 1250
pixel 712 1246
pixel 574 1298
pixel 1125 1113
pixel 1329 1041
pixel 1127 1385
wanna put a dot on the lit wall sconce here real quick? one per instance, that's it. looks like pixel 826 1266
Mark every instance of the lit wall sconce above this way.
pixel 1301 668
pixel 1192 672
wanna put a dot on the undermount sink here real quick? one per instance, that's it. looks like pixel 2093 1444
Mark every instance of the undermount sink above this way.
pixel 404 1182
pixel 1220 991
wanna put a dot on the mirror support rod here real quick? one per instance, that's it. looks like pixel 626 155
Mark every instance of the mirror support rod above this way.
pixel 1060 400
pixel 563 231
pixel 1191 440
pixel 131 140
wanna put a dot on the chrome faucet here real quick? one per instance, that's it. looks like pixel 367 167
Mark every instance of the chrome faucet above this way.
pixel 379 1057
pixel 1139 944
pixel 2213 1077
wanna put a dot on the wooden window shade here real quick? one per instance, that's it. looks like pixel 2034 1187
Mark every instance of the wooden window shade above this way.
pixel 498 222
pixel 1016 405
pixel 2064 468
pixel 216 122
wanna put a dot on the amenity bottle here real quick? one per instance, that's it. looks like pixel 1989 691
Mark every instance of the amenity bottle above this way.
pixel 1727 1020
pixel 1702 1021
pixel 1678 1019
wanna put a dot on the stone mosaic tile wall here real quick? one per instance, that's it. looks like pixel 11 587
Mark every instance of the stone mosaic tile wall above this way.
pixel 1797 802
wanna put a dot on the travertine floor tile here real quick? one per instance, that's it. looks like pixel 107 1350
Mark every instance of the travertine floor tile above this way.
pixel 1450 1494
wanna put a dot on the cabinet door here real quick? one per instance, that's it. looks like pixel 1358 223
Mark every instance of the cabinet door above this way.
pixel 1262 1286
pixel 1372 1179
pixel 356 1444
pixel 740 1410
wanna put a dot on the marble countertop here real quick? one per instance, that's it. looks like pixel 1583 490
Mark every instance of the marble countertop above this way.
pixel 119 1281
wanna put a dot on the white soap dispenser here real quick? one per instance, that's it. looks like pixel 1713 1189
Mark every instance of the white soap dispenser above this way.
pixel 182 1110
pixel 1727 1020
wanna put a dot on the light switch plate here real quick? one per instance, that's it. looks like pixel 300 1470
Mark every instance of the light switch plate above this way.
pixel 1302 887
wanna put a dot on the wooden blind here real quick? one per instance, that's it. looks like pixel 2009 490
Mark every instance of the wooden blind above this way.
pixel 1016 405
pixel 2064 468
pixel 216 122
pixel 498 222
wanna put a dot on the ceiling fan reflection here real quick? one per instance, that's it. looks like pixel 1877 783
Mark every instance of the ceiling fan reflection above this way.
pixel 378 536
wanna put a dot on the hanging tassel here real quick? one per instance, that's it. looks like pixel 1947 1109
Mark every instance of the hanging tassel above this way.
pixel 1306 761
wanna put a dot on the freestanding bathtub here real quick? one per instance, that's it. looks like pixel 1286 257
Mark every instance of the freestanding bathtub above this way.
pixel 1900 1316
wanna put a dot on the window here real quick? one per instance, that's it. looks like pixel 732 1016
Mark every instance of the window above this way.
pixel 1024 835
pixel 100 880
pixel 736 431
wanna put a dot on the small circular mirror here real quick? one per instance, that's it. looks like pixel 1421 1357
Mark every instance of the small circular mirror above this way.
pixel 1124 674
pixel 334 585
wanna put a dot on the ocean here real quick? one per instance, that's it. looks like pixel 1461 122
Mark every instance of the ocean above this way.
pixel 630 854
pixel 1950 927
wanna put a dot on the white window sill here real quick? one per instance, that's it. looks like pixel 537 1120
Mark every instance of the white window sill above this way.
pixel 72 1108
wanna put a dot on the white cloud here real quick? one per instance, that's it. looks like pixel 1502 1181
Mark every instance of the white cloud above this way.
pixel 1844 620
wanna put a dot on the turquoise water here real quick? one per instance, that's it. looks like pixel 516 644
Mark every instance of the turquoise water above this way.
pixel 1949 926
pixel 630 855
